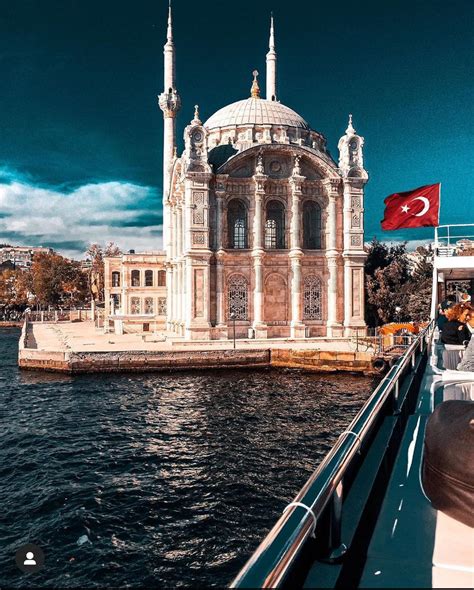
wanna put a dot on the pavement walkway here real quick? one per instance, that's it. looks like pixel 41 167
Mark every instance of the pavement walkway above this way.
pixel 83 336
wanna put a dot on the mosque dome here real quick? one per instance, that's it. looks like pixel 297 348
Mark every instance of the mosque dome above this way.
pixel 255 111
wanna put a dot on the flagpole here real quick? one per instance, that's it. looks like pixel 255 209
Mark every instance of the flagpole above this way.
pixel 439 215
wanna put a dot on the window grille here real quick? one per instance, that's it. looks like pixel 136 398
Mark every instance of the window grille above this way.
pixel 135 305
pixel 161 310
pixel 149 305
pixel 238 298
pixel 312 298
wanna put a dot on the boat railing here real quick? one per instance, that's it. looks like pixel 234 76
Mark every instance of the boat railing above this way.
pixel 322 494
pixel 454 239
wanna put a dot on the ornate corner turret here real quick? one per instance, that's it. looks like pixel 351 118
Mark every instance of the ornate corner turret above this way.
pixel 351 160
pixel 195 146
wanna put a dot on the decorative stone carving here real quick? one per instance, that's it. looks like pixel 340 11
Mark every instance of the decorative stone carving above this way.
pixel 356 220
pixel 199 238
pixel 356 240
pixel 275 166
pixel 198 216
pixel 297 166
pixel 169 103
pixel 259 167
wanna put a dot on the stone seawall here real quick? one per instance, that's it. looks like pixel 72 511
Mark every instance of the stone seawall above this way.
pixel 139 361
pixel 321 360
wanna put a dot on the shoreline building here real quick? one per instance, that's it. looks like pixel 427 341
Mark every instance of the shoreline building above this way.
pixel 262 228
pixel 21 256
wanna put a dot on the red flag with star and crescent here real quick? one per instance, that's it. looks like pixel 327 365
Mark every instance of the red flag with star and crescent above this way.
pixel 416 208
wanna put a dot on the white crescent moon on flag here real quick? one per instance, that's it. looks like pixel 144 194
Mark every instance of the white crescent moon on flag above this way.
pixel 426 205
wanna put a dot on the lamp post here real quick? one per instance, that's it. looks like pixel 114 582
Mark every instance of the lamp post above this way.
pixel 398 309
pixel 232 317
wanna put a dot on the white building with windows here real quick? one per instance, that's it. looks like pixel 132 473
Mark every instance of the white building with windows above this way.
pixel 261 225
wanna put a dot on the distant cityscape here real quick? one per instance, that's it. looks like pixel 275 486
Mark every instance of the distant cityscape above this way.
pixel 16 257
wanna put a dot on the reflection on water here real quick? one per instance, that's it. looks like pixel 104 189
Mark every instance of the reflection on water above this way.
pixel 157 480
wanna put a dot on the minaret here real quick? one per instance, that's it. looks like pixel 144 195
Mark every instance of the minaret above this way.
pixel 170 103
pixel 271 65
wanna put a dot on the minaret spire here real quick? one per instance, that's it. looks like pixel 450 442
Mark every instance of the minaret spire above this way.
pixel 170 103
pixel 271 64
pixel 169 34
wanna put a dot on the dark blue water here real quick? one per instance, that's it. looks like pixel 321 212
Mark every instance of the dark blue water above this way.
pixel 171 480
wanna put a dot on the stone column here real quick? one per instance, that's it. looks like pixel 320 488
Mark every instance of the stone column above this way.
pixel 169 296
pixel 334 328
pixel 296 254
pixel 354 256
pixel 219 219
pixel 220 288
pixel 258 256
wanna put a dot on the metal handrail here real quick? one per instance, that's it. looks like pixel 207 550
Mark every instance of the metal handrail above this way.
pixel 270 563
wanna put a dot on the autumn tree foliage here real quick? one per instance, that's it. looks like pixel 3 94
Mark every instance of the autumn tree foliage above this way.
pixel 96 254
pixel 58 281
pixel 396 290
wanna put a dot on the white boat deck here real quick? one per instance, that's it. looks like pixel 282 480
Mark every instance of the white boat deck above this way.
pixel 415 545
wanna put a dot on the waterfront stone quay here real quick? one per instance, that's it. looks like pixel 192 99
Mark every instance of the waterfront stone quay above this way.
pixel 82 348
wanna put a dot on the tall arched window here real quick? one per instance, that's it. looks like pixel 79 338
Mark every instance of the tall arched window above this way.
pixel 115 279
pixel 237 298
pixel 312 298
pixel 135 278
pixel 162 278
pixel 275 225
pixel 312 226
pixel 237 224
pixel 148 278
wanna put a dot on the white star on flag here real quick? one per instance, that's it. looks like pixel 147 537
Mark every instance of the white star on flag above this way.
pixel 405 208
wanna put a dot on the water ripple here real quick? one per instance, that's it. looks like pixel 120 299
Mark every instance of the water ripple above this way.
pixel 156 480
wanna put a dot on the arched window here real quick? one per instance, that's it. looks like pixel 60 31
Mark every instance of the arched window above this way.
pixel 115 279
pixel 312 226
pixel 237 298
pixel 275 225
pixel 237 224
pixel 162 278
pixel 312 298
pixel 148 278
pixel 135 278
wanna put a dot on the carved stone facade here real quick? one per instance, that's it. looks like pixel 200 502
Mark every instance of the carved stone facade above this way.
pixel 262 229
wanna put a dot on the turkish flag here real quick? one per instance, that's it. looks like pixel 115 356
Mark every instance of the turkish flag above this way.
pixel 416 208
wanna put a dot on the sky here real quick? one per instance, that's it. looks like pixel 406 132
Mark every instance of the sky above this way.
pixel 81 131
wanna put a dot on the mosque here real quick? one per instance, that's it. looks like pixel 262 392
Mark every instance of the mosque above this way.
pixel 263 231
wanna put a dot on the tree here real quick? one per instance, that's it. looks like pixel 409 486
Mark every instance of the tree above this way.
pixel 96 254
pixel 393 292
pixel 420 286
pixel 15 292
pixel 58 281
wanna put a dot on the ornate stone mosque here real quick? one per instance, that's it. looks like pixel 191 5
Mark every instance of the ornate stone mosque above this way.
pixel 263 231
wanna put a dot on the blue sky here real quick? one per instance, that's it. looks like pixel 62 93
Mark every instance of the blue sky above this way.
pixel 81 132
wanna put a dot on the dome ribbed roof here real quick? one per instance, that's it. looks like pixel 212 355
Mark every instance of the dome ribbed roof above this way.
pixel 255 111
